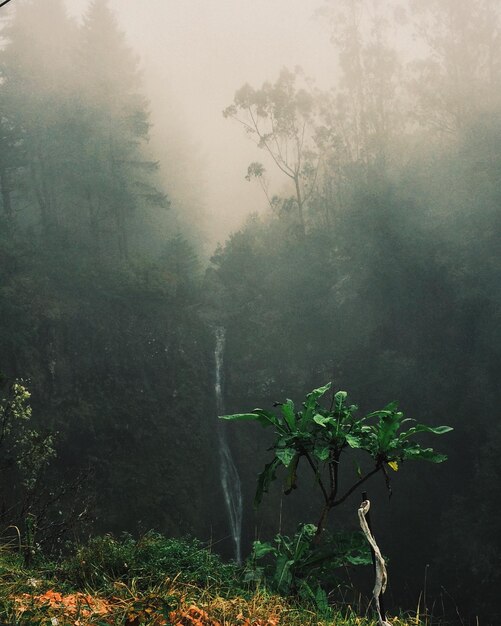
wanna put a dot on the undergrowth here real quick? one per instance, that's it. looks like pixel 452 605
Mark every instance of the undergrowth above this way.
pixel 148 561
pixel 152 581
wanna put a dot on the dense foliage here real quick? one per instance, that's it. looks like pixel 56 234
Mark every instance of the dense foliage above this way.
pixel 322 436
pixel 146 562
pixel 99 291
pixel 163 582
pixel 390 289
pixel 376 267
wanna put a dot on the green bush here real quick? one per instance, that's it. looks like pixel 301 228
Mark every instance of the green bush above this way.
pixel 186 558
pixel 99 562
pixel 148 561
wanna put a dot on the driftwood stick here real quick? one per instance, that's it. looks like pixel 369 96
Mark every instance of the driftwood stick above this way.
pixel 377 560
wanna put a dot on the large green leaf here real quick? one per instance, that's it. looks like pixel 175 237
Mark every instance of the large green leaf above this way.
pixel 319 392
pixel 288 413
pixel 427 454
pixel 422 428
pixel 240 417
pixel 311 401
pixel 291 480
pixel 321 420
pixel 353 441
pixel 340 398
pixel 391 406
pixel 258 415
pixel 389 423
pixel 388 410
pixel 322 453
pixel 285 455
pixel 261 549
pixel 358 559
pixel 283 575
pixel 264 480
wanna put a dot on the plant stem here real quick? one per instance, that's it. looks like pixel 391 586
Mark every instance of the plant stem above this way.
pixel 317 475
pixel 329 503
pixel 357 485
pixel 322 521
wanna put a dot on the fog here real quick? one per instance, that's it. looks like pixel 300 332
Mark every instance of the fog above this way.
pixel 195 54
pixel 146 287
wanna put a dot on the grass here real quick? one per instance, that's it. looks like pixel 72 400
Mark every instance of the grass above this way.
pixel 163 582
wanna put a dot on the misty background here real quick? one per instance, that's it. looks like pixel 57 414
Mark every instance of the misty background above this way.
pixel 193 55
pixel 362 249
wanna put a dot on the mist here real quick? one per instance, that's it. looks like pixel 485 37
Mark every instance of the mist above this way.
pixel 207 207
pixel 193 56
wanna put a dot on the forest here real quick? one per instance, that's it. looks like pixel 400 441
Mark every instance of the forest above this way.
pixel 371 262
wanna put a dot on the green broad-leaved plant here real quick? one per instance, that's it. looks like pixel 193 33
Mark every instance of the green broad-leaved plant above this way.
pixel 297 564
pixel 321 437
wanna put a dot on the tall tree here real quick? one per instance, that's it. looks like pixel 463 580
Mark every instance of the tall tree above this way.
pixel 460 75
pixel 365 108
pixel 37 80
pixel 11 160
pixel 281 118
pixel 116 176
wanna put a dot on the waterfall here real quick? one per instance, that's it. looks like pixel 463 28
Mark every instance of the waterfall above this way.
pixel 230 481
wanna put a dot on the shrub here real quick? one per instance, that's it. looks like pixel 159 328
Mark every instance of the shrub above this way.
pixel 148 561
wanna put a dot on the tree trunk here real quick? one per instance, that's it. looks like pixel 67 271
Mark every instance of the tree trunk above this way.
pixel 300 204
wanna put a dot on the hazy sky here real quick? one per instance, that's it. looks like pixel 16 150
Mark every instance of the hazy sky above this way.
pixel 197 53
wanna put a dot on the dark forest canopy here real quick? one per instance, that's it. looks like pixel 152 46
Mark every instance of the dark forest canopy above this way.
pixel 377 267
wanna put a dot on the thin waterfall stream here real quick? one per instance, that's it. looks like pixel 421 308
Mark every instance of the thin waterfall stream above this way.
pixel 230 480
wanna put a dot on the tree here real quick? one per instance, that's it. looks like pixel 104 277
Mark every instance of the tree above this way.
pixel 20 446
pixel 112 172
pixel 281 118
pixel 364 109
pixel 24 455
pixel 461 74
pixel 11 160
pixel 36 83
